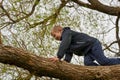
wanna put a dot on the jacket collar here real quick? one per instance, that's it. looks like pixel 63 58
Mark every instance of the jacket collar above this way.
pixel 64 29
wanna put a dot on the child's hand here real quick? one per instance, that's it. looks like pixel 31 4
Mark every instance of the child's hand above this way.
pixel 54 59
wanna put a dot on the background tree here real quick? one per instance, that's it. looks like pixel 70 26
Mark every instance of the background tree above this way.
pixel 26 24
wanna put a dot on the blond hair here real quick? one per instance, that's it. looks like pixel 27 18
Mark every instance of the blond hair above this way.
pixel 56 28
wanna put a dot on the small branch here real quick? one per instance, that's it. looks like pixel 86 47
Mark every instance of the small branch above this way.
pixel 117 31
pixel 80 3
pixel 0 37
pixel 53 16
pixel 21 18
pixel 8 15
pixel 28 15
pixel 110 45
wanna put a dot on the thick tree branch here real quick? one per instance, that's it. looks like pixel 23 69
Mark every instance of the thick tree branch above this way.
pixel 40 66
pixel 96 5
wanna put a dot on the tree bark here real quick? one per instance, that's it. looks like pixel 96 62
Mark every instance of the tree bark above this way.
pixel 41 66
pixel 97 5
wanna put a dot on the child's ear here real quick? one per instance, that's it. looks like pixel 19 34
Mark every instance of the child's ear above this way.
pixel 60 30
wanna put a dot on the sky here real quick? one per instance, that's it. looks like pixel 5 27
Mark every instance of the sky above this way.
pixel 108 37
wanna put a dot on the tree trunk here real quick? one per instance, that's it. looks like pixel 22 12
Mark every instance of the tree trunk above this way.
pixel 40 66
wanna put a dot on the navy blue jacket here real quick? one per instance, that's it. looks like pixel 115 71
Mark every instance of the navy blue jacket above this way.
pixel 74 42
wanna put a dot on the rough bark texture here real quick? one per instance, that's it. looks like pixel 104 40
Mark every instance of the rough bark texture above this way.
pixel 40 66
pixel 97 5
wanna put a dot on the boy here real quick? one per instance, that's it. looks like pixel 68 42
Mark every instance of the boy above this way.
pixel 82 45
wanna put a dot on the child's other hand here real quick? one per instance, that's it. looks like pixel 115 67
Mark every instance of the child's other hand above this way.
pixel 54 59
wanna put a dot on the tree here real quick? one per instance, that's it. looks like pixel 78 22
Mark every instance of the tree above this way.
pixel 40 66
pixel 27 17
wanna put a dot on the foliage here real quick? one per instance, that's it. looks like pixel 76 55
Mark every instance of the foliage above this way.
pixel 27 24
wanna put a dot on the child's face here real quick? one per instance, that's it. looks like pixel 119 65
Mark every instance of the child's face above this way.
pixel 56 35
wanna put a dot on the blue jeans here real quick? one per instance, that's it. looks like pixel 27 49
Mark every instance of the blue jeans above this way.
pixel 96 53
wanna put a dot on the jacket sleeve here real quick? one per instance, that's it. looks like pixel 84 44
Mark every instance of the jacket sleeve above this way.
pixel 64 45
pixel 68 57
